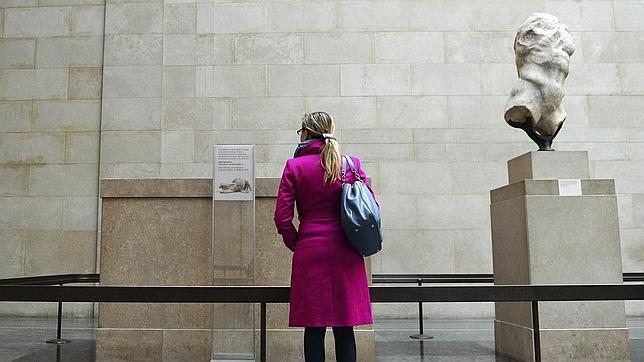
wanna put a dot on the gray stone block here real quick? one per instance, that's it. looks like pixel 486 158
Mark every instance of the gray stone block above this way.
pixel 133 49
pixel 82 147
pixel 594 78
pixel 85 83
pixel 478 47
pixel 303 16
pixel 498 15
pixel 240 81
pixel 179 49
pixel 31 148
pixel 244 17
pixel 35 22
pixel 17 53
pixel 445 79
pixel 180 18
pixel 132 81
pixel 375 79
pixel 304 80
pixel 632 78
pixel 347 112
pixel 133 18
pixel 374 15
pixel 14 180
pixel 548 165
pixel 269 48
pixel 15 115
pixel 179 81
pixel 628 15
pixel 456 15
pixel 408 47
pixel 69 115
pixel 88 20
pixel 33 83
pixel 345 47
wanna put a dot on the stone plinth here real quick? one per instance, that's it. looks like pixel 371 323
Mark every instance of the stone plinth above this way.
pixel 546 165
pixel 540 237
pixel 158 232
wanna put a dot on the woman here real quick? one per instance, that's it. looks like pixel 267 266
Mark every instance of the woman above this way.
pixel 329 285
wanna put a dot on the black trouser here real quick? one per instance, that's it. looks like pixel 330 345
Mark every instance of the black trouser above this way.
pixel 345 344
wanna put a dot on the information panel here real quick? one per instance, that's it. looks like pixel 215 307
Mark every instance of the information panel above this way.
pixel 233 173
pixel 233 250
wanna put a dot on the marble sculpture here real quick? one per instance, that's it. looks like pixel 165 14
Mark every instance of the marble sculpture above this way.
pixel 542 48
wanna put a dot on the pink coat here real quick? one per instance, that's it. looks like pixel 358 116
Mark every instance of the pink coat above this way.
pixel 329 284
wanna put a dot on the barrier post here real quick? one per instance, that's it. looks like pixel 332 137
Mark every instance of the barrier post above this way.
pixel 262 338
pixel 59 340
pixel 421 334
pixel 535 331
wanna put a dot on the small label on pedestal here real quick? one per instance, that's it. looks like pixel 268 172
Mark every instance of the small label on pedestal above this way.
pixel 570 187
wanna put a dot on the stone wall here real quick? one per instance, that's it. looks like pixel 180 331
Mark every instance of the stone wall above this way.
pixel 417 89
pixel 51 54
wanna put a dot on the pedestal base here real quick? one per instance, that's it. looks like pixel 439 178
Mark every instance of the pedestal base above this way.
pixel 545 233
pixel 603 344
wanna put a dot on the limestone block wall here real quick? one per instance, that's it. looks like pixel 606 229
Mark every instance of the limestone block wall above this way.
pixel 417 88
pixel 51 55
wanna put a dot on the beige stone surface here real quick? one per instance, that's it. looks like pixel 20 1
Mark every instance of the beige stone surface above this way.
pixel 370 16
pixel 34 22
pixel 16 116
pixel 33 83
pixel 295 16
pixel 14 180
pixel 133 49
pixel 85 83
pixel 269 48
pixel 350 47
pixel 513 340
pixel 182 345
pixel 132 81
pixel 17 53
pixel 180 18
pixel 375 79
pixel 133 18
pixel 539 237
pixel 567 344
pixel 87 20
pixel 123 345
pixel 148 240
pixel 549 165
pixel 83 51
pixel 304 80
pixel 133 113
pixel 68 115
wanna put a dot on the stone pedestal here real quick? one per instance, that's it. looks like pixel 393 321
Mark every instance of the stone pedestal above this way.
pixel 158 232
pixel 541 237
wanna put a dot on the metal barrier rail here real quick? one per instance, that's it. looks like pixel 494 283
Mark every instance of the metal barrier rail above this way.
pixel 268 294
pixel 59 280
pixel 463 278
pixel 420 279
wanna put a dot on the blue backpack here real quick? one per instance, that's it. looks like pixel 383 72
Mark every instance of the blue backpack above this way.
pixel 360 214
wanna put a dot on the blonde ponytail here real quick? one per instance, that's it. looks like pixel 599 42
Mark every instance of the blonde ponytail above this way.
pixel 331 160
pixel 321 125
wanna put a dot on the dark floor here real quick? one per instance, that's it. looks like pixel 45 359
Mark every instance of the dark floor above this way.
pixel 23 339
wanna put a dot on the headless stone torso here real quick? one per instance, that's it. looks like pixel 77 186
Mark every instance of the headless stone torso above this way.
pixel 542 48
